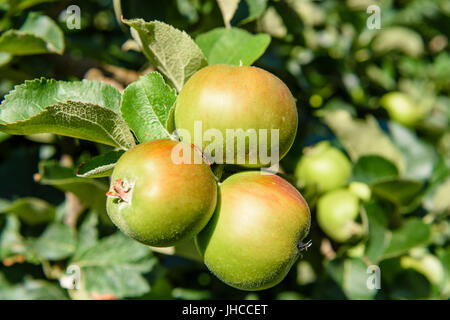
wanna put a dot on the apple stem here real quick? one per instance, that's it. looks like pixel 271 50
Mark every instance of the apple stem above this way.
pixel 120 190
pixel 301 246
pixel 205 158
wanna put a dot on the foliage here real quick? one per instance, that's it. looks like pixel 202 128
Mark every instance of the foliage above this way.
pixel 75 99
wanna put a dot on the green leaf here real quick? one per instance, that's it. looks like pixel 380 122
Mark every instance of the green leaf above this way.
pixel 378 233
pixel 4 204
pixel 232 45
pixel 228 8
pixel 399 39
pixel 5 58
pixel 100 166
pixel 363 137
pixel 84 109
pixel 400 192
pixel 30 210
pixel 56 243
pixel 91 192
pixel 78 120
pixel 31 289
pixel 420 157
pixel 146 105
pixel 351 274
pixel 115 266
pixel 11 241
pixel 256 8
pixel 414 232
pixel 372 168
pixel 4 136
pixel 87 236
pixel 170 50
pixel 39 34
pixel 21 5
pixel 45 92
pixel 437 200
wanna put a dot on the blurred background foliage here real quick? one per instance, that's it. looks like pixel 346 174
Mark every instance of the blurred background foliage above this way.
pixel 378 95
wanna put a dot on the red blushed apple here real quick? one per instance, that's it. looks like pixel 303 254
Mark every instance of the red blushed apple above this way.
pixel 156 201
pixel 225 97
pixel 256 233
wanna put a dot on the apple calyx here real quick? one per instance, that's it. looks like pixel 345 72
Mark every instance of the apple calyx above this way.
pixel 120 190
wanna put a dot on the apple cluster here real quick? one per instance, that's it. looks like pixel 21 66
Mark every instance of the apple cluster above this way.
pixel 249 227
pixel 324 170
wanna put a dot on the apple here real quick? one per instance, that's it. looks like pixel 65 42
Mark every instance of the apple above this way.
pixel 323 168
pixel 156 201
pixel 221 105
pixel 256 232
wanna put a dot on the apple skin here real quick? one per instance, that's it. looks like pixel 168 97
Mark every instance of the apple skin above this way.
pixel 255 234
pixel 336 212
pixel 323 167
pixel 238 97
pixel 168 202
pixel 401 108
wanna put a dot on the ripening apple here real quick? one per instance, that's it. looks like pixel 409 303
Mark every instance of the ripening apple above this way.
pixel 156 201
pixel 337 211
pixel 323 167
pixel 401 108
pixel 238 103
pixel 256 232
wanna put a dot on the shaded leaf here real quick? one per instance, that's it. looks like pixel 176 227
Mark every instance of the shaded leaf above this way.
pixel 31 289
pixel 420 157
pixel 256 8
pixel 5 58
pixel 11 241
pixel 39 34
pixel 91 192
pixel 4 136
pixel 87 235
pixel 378 234
pixel 100 166
pixel 400 192
pixel 414 232
pixel 56 243
pixel 400 39
pixel 115 266
pixel 20 5
pixel 363 137
pixel 30 210
pixel 372 168
pixel 351 274
pixel 438 200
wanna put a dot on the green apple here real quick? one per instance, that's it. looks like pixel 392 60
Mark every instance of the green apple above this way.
pixel 323 168
pixel 401 108
pixel 336 214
